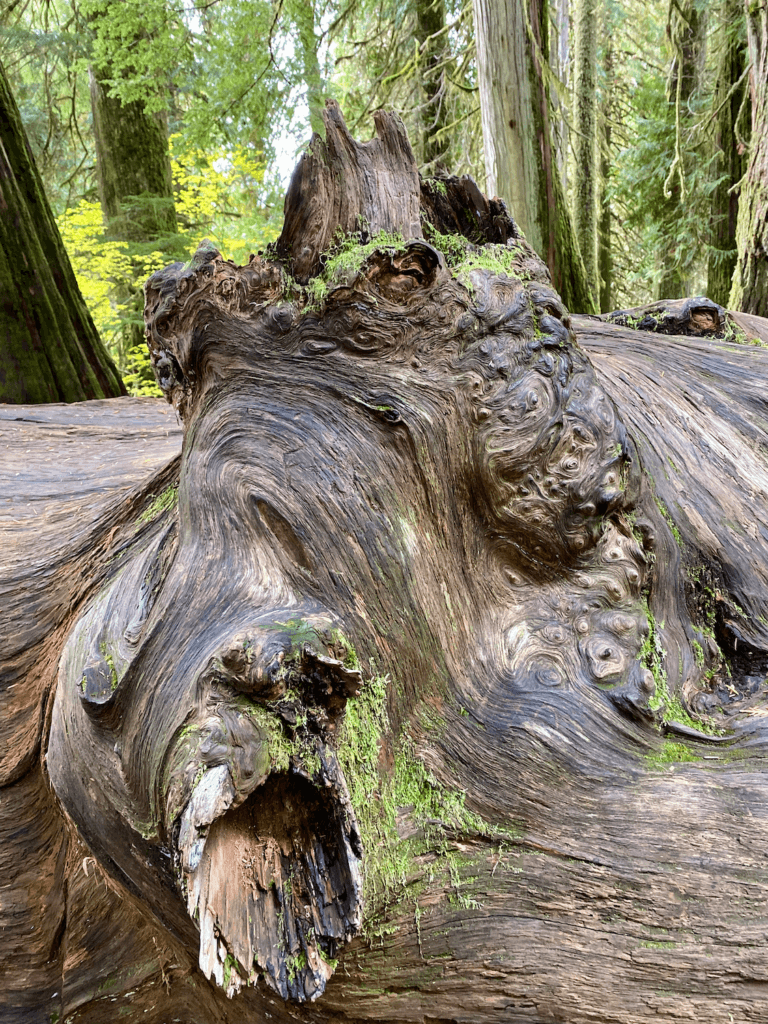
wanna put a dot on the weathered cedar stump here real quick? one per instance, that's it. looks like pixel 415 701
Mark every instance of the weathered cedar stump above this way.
pixel 428 683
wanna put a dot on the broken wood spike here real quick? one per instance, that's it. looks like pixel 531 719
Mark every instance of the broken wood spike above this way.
pixel 275 883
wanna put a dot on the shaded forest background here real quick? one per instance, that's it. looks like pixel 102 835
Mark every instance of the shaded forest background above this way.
pixel 155 123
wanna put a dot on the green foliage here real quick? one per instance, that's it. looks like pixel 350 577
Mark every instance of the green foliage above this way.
pixel 216 194
pixel 295 964
pixel 140 43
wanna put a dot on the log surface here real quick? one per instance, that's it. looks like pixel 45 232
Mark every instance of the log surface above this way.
pixel 428 684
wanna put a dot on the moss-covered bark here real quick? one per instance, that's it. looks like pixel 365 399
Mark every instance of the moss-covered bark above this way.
pixel 604 247
pixel 686 29
pixel 135 186
pixel 135 182
pixel 750 282
pixel 50 350
pixel 730 163
pixel 430 33
pixel 512 54
pixel 586 17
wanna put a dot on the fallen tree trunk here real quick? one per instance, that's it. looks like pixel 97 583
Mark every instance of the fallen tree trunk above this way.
pixel 428 684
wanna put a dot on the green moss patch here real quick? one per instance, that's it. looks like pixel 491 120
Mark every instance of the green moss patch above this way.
pixel 160 504
pixel 403 811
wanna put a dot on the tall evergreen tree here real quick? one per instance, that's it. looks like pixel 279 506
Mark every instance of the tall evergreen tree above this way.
pixel 586 17
pixel 686 30
pixel 430 33
pixel 750 282
pixel 605 223
pixel 132 160
pixel 729 163
pixel 512 39
pixel 50 350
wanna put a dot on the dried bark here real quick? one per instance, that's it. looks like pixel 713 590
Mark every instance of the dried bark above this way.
pixel 431 639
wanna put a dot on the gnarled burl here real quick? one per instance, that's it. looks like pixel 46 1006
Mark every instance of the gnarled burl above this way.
pixel 428 685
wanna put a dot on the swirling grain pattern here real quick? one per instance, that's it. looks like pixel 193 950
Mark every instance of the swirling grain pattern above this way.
pixel 410 484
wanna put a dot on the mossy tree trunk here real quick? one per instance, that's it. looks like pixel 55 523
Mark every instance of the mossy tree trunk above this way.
pixel 432 39
pixel 135 184
pixel 584 191
pixel 133 163
pixel 512 41
pixel 686 30
pixel 50 350
pixel 560 62
pixel 605 225
pixel 429 676
pixel 750 280
pixel 730 161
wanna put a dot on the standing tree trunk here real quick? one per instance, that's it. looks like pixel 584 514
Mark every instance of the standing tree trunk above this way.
pixel 135 183
pixel 605 226
pixel 686 26
pixel 512 41
pixel 50 350
pixel 134 169
pixel 560 62
pixel 586 18
pixel 730 163
pixel 750 281
pixel 431 37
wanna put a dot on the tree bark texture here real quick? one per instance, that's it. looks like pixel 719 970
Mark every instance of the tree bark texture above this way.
pixel 686 31
pixel 730 162
pixel 134 170
pixel 512 40
pixel 605 224
pixel 586 21
pixel 431 35
pixel 431 674
pixel 50 350
pixel 560 63
pixel 750 282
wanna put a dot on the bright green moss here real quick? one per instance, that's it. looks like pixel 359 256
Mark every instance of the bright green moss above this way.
pixel 672 752
pixel 379 795
pixel 163 501
pixel 343 261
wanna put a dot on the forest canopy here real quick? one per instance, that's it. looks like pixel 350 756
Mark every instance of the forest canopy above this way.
pixel 650 108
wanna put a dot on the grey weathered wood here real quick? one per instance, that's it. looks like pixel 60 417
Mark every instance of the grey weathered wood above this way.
pixel 506 511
